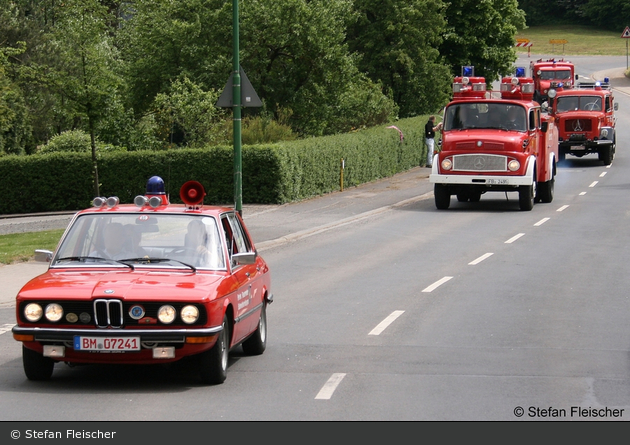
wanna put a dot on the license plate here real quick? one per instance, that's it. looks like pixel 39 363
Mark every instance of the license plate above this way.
pixel 496 181
pixel 82 343
pixel 578 147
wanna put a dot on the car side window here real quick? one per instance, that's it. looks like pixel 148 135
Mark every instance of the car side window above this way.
pixel 235 236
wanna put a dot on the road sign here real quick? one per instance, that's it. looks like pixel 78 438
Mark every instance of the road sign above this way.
pixel 522 40
pixel 626 33
pixel 558 41
pixel 249 98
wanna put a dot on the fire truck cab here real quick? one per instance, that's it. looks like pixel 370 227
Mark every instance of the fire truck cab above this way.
pixel 495 143
pixel 546 72
pixel 586 120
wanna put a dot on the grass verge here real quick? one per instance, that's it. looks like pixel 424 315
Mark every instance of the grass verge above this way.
pixel 18 247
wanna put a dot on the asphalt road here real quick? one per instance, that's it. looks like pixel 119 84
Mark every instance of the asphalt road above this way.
pixel 388 309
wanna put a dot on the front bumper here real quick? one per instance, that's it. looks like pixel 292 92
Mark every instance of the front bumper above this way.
pixel 146 335
pixel 480 180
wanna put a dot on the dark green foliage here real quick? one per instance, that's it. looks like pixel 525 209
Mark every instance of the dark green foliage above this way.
pixel 272 173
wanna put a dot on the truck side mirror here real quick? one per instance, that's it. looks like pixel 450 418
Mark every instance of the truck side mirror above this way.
pixel 544 126
pixel 616 106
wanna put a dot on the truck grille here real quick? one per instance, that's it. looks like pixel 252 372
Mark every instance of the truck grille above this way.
pixel 480 163
pixel 108 313
pixel 577 125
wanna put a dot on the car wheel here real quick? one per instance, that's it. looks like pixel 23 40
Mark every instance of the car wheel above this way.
pixel 256 344
pixel 442 197
pixel 213 366
pixel 526 194
pixel 36 366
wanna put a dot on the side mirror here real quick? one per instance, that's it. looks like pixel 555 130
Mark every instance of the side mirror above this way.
pixel 245 257
pixel 43 256
pixel 616 106
pixel 544 126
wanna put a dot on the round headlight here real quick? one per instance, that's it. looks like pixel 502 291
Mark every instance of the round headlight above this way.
pixel 190 314
pixel 514 165
pixel 166 314
pixel 604 133
pixel 552 93
pixel 53 312
pixel 447 164
pixel 33 312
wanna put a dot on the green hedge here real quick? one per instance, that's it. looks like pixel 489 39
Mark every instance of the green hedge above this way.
pixel 272 173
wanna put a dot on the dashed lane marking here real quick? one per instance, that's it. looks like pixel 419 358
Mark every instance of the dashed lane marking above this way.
pixel 329 387
pixel 437 284
pixel 383 324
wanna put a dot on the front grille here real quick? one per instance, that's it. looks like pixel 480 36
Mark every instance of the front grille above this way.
pixel 577 125
pixel 108 313
pixel 103 313
pixel 480 163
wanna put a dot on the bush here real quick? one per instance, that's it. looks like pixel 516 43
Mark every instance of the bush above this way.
pixel 75 141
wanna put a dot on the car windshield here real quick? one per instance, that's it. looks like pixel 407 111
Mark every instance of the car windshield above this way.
pixel 575 103
pixel 142 240
pixel 472 115
pixel 556 75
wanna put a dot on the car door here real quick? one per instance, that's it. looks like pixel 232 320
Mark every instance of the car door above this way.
pixel 248 296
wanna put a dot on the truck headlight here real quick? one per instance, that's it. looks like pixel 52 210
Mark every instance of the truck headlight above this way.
pixel 189 314
pixel 447 164
pixel 603 134
pixel 33 312
pixel 514 165
pixel 53 312
pixel 166 314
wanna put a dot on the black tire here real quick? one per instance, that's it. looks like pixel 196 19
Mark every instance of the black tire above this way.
pixel 526 195
pixel 475 197
pixel 442 197
pixel 545 190
pixel 213 363
pixel 606 154
pixel 257 343
pixel 36 366
pixel 462 197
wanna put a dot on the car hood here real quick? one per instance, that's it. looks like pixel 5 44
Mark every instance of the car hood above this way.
pixel 127 285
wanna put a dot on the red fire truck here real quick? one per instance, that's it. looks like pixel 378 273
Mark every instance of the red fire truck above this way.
pixel 585 116
pixel 495 144
pixel 546 71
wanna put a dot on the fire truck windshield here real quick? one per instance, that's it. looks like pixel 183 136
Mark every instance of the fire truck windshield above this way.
pixel 471 115
pixel 575 103
pixel 555 75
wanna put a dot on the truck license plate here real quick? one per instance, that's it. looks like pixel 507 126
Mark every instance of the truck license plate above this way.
pixel 496 181
pixel 82 343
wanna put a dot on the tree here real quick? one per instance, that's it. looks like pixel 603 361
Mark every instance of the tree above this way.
pixel 295 54
pixel 398 44
pixel 482 33
pixel 85 73
pixel 613 15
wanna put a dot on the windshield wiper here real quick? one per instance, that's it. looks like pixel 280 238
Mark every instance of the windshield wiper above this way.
pixel 85 259
pixel 148 260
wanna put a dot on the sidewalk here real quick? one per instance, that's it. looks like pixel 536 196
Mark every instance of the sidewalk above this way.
pixel 273 225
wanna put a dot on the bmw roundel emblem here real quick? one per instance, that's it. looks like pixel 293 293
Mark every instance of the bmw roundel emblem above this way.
pixel 108 291
pixel 136 312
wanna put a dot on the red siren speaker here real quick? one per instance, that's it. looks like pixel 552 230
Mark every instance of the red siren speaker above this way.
pixel 192 193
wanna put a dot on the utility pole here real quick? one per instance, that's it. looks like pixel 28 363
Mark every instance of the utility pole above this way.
pixel 236 107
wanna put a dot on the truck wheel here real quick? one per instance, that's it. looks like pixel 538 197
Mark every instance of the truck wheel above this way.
pixel 545 191
pixel 36 366
pixel 442 197
pixel 606 154
pixel 526 194
pixel 561 154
